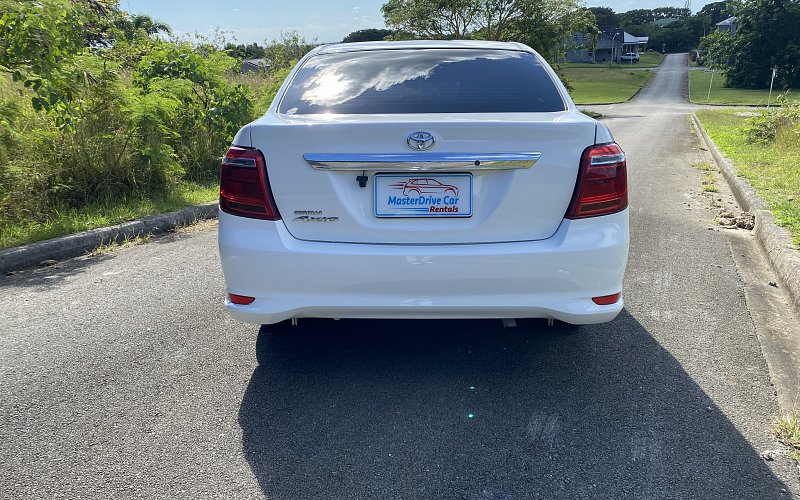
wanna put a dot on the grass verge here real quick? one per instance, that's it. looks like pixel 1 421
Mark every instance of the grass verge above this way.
pixel 648 60
pixel 651 59
pixel 106 213
pixel 698 91
pixel 787 430
pixel 770 168
pixel 600 85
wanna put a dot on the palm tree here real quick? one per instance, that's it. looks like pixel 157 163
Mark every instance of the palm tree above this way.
pixel 131 24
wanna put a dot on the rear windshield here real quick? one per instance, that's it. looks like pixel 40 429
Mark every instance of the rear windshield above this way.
pixel 422 81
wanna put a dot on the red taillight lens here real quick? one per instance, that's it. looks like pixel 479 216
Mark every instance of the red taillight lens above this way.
pixel 241 300
pixel 244 187
pixel 602 186
pixel 606 300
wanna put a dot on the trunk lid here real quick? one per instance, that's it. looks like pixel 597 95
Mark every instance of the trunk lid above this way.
pixel 324 201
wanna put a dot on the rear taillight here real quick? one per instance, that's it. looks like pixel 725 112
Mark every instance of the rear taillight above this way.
pixel 244 187
pixel 602 186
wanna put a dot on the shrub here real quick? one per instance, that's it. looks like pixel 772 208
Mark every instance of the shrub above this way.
pixel 211 109
pixel 770 123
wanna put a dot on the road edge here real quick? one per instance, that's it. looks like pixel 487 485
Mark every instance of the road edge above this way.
pixel 774 241
pixel 74 245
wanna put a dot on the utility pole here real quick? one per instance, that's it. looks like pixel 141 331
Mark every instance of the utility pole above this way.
pixel 612 48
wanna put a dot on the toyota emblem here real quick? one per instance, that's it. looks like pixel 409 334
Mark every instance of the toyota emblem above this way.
pixel 420 140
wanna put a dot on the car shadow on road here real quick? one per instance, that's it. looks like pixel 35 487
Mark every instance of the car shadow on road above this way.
pixel 467 409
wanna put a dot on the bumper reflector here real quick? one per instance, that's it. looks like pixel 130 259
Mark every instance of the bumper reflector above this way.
pixel 606 300
pixel 242 300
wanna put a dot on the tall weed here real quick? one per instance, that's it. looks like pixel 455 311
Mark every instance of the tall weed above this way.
pixel 770 123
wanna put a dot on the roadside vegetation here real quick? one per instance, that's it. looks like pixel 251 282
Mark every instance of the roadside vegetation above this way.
pixel 787 430
pixel 104 117
pixel 761 52
pixel 648 60
pixel 709 181
pixel 764 148
pixel 699 81
pixel 601 85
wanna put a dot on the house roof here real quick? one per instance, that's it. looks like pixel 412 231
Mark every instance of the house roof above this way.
pixel 727 22
pixel 630 38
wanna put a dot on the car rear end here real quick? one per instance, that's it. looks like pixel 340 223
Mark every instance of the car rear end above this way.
pixel 424 180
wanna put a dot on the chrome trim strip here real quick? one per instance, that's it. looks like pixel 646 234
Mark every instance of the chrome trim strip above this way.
pixel 421 162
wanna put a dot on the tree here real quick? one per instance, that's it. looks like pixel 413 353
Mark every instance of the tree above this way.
pixel 717 11
pixel 545 25
pixel 129 25
pixel 636 16
pixel 38 41
pixel 605 16
pixel 671 13
pixel 716 48
pixel 767 38
pixel 681 36
pixel 284 51
pixel 242 51
pixel 368 35
pixel 440 19
pixel 542 24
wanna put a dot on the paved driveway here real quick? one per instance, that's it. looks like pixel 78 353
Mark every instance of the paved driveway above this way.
pixel 122 377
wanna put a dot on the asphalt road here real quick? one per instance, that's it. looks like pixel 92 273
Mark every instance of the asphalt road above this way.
pixel 122 376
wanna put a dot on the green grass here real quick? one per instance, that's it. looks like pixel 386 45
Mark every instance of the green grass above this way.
pixel 771 169
pixel 698 91
pixel 600 85
pixel 787 430
pixel 648 60
pixel 104 214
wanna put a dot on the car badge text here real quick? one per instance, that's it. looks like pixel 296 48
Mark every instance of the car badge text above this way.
pixel 420 140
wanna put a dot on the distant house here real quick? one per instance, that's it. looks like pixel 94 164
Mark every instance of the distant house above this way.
pixel 255 65
pixel 611 44
pixel 730 25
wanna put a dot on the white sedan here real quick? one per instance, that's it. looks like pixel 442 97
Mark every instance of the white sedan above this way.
pixel 316 219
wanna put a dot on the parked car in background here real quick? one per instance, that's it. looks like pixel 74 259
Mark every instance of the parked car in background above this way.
pixel 629 57
pixel 323 214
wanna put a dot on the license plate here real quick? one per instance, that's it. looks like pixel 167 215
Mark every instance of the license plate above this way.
pixel 421 195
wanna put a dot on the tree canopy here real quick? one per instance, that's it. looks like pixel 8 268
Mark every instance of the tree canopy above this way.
pixel 605 16
pixel 767 37
pixel 368 35
pixel 717 11
pixel 542 24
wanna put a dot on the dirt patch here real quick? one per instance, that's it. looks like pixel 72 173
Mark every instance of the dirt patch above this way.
pixel 729 219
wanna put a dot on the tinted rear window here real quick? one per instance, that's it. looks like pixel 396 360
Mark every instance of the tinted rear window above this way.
pixel 422 81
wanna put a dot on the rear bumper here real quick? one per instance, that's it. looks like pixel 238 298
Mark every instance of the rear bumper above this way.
pixel 553 278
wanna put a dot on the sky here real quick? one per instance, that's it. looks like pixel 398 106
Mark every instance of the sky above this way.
pixel 322 21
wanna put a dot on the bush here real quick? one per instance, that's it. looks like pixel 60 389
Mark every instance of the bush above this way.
pixel 771 123
pixel 211 109
pixel 132 117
